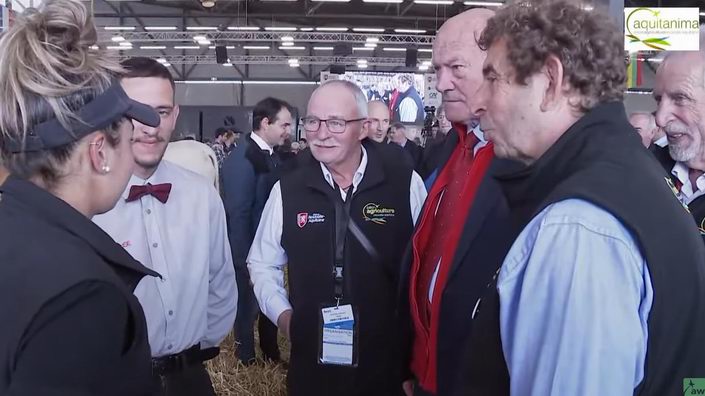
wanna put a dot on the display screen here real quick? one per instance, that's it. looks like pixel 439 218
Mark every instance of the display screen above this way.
pixel 402 92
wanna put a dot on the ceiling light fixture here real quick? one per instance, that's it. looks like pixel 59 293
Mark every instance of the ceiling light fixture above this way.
pixel 434 2
pixel 201 28
pixel 125 44
pixel 429 50
pixel 331 29
pixel 228 64
pixel 119 28
pixel 363 49
pixel 200 38
pixel 411 31
pixel 243 28
pixel 117 39
pixel 167 64
pixel 280 29
pixel 292 48
pixel 255 47
pixel 372 40
pixel 208 3
pixel 287 38
pixel 204 42
pixel 394 49
pixel 306 29
pixel 383 1
pixel 153 47
pixel 184 47
pixel 94 47
pixel 160 28
pixel 370 45
pixel 323 48
pixel 368 30
pixel 483 3
pixel 423 68
pixel 117 47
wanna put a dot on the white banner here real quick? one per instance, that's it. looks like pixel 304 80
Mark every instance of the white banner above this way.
pixel 432 97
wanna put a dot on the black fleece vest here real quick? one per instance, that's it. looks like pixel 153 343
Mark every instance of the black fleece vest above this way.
pixel 380 207
pixel 600 160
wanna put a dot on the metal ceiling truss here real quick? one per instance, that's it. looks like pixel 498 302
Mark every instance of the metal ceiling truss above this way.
pixel 277 60
pixel 319 37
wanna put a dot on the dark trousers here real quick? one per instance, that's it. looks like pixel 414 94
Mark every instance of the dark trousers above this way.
pixel 191 381
pixel 247 313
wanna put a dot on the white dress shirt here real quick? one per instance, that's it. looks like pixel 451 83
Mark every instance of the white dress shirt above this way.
pixel 185 241
pixel 662 141
pixel 687 193
pixel 261 143
pixel 267 257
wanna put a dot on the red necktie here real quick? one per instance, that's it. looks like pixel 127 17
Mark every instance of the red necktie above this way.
pixel 158 191
pixel 445 217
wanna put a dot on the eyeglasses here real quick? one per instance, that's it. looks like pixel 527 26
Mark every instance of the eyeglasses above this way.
pixel 334 125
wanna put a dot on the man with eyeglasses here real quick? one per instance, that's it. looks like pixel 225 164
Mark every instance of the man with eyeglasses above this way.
pixel 341 222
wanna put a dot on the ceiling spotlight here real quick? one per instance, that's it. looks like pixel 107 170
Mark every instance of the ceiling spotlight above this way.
pixel 200 38
pixel 287 38
pixel 208 3
pixel 117 38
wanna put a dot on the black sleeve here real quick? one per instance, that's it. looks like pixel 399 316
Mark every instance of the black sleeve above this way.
pixel 74 344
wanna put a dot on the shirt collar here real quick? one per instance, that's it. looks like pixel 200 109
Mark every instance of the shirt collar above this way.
pixel 662 141
pixel 680 171
pixel 357 177
pixel 261 143
pixel 158 177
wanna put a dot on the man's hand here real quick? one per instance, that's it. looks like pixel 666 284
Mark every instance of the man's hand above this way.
pixel 408 387
pixel 284 322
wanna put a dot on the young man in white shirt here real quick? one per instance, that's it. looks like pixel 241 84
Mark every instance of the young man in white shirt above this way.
pixel 172 220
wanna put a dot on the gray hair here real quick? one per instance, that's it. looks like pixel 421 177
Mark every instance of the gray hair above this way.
pixel 652 119
pixel 360 98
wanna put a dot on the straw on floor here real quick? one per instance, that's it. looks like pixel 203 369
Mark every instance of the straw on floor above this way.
pixel 230 378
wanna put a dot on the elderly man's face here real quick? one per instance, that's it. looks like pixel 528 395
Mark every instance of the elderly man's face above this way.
pixel 458 66
pixel 507 109
pixel 335 102
pixel 642 124
pixel 680 95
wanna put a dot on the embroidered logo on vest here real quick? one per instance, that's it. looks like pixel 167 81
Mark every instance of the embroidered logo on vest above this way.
pixel 304 218
pixel 376 213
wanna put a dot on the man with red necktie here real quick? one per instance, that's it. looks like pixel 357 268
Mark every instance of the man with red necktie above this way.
pixel 172 220
pixel 464 230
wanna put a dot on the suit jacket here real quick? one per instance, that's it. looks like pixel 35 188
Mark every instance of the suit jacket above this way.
pixel 484 242
pixel 248 176
pixel 415 152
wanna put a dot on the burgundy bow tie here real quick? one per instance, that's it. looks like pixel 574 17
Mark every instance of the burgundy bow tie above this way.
pixel 158 191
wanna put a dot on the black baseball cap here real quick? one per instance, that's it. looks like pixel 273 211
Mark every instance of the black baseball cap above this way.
pixel 107 108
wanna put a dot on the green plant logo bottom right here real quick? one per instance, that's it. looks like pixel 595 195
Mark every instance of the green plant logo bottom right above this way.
pixel 694 386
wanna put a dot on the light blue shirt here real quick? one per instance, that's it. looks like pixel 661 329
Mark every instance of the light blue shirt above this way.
pixel 575 296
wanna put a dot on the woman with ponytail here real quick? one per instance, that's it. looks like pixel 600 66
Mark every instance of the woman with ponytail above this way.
pixel 70 324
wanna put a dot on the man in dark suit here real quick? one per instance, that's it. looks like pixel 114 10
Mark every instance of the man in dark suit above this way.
pixel 249 173
pixel 464 231
pixel 397 135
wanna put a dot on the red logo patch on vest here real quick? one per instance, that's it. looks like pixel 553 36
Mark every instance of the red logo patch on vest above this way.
pixel 302 219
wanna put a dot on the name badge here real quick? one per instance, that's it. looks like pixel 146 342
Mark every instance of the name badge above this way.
pixel 337 335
